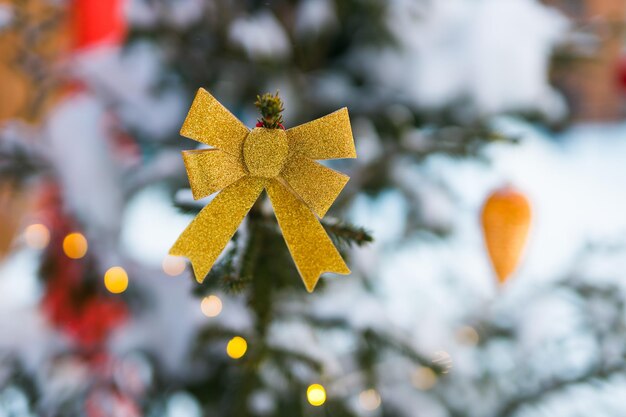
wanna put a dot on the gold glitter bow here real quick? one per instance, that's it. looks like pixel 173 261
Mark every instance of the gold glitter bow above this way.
pixel 243 163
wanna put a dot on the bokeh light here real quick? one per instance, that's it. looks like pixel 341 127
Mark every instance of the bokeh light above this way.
pixel 424 378
pixel 467 335
pixel 237 347
pixel 370 399
pixel 211 306
pixel 173 265
pixel 116 280
pixel 37 236
pixel 316 395
pixel 75 245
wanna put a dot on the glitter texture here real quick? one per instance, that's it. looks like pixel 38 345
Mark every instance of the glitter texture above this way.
pixel 212 124
pixel 265 152
pixel 315 184
pixel 329 137
pixel 210 170
pixel 312 250
pixel 246 162
pixel 207 235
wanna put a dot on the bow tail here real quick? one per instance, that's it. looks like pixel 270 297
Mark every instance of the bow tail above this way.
pixel 207 235
pixel 312 250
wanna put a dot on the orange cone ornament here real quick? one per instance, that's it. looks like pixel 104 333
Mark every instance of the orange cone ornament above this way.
pixel 506 220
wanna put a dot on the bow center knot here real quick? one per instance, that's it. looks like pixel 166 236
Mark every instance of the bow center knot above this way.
pixel 265 152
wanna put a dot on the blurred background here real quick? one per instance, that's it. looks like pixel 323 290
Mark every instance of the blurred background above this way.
pixel 484 222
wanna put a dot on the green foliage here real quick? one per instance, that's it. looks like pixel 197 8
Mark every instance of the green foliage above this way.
pixel 256 269
pixel 270 106
pixel 18 163
pixel 345 234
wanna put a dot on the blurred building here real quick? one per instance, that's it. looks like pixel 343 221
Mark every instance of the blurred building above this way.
pixel 33 35
pixel 590 68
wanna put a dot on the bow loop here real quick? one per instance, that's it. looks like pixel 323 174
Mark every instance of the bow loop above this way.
pixel 210 170
pixel 212 124
pixel 329 137
pixel 317 185
pixel 244 163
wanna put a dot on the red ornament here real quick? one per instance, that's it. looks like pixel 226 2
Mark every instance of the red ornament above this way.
pixel 88 321
pixel 97 22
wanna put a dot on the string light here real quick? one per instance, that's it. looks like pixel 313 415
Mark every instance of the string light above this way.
pixel 370 399
pixel 116 280
pixel 211 306
pixel 237 347
pixel 316 395
pixel 173 265
pixel 424 378
pixel 75 245
pixel 37 236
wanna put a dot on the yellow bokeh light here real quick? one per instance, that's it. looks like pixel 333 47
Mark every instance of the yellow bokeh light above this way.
pixel 424 378
pixel 370 399
pixel 211 306
pixel 173 265
pixel 316 395
pixel 237 347
pixel 37 236
pixel 468 336
pixel 75 245
pixel 116 280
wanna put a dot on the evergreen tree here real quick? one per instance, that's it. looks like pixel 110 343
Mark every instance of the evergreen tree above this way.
pixel 273 341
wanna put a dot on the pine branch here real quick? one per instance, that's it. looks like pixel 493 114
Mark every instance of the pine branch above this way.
pixel 227 272
pixel 379 341
pixel 283 356
pixel 346 234
pixel 213 332
pixel 510 408
pixel 271 107
pixel 18 161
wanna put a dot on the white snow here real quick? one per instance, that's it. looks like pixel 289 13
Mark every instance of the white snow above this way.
pixel 78 140
pixel 494 52
pixel 260 36
pixel 315 17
